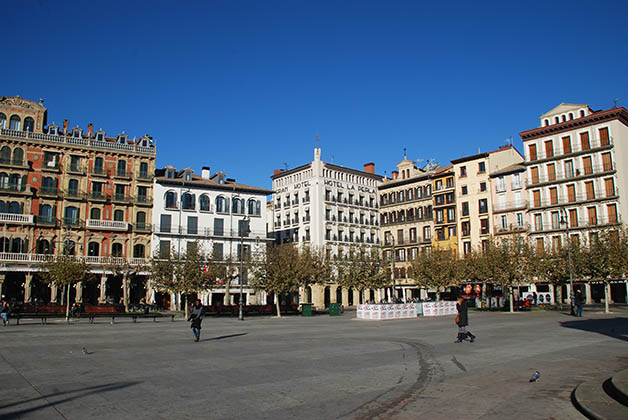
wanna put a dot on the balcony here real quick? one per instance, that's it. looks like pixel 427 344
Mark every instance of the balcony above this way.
pixel 144 200
pixel 96 224
pixel 72 222
pixel 576 149
pixel 510 206
pixel 122 198
pixel 16 219
pixel 75 169
pixel 14 257
pixel 97 196
pixel 579 198
pixel 12 188
pixel 13 163
pixel 512 228
pixel 122 174
pixel 579 173
pixel 583 222
pixel 144 176
pixel 142 227
pixel 98 171
pixel 46 220
pixel 74 195
pixel 51 165
pixel 49 191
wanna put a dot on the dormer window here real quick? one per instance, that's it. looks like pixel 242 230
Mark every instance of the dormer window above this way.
pixel 188 175
pixel 122 138
pixel 556 120
pixel 53 130
pixel 581 113
pixel 571 115
pixel 564 118
pixel 100 135
pixel 170 173
pixel 76 133
pixel 145 141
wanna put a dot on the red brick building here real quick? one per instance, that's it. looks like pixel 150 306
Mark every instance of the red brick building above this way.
pixel 63 190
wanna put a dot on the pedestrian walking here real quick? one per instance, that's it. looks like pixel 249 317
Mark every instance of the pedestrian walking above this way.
pixel 462 320
pixel 196 316
pixel 4 313
pixel 579 302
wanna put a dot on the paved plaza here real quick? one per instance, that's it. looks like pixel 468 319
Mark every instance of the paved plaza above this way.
pixel 308 368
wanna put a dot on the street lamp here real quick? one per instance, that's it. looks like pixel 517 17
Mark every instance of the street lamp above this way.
pixel 243 227
pixel 565 219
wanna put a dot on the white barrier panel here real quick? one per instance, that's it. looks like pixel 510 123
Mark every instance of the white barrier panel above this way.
pixel 392 311
pixel 444 307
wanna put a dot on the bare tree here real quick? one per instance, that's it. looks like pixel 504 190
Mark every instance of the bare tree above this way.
pixel 66 270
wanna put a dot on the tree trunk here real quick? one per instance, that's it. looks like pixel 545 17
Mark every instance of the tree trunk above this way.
pixel 278 306
pixel 607 296
pixel 511 299
pixel 66 289
pixel 227 299
pixel 483 295
pixel 559 296
pixel 186 306
pixel 125 293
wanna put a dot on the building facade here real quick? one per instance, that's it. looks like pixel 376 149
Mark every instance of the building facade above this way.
pixel 444 208
pixel 328 207
pixel 576 176
pixel 510 203
pixel 68 191
pixel 407 223
pixel 207 211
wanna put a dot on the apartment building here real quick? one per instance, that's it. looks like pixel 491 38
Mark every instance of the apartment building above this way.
pixel 63 190
pixel 576 163
pixel 207 211
pixel 475 195
pixel 444 209
pixel 329 207
pixel 509 198
pixel 406 221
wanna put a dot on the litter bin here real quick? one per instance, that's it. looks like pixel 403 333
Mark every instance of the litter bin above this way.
pixel 306 309
pixel 334 309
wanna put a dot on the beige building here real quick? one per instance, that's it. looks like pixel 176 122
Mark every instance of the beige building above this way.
pixel 576 163
pixel 510 204
pixel 406 221
pixel 475 200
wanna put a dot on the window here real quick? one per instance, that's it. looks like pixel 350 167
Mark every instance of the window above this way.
pixel 93 249
pixel 584 141
pixel 551 172
pixel 97 190
pixel 555 220
pixel 569 173
pixel 553 195
pixel 607 162
pixel 466 246
pixel 611 209
pixel 483 206
pixel 143 170
pixel 482 186
pixel 188 201
pixel 573 218
pixel 118 215
pixel 219 229
pixel 520 219
pixel 439 215
pixel 501 184
pixel 538 222
pixel 571 193
pixel 450 182
pixel 484 227
pixel 164 249
pixel 481 167
pixel 222 205
pixel 140 220
pixel 465 208
pixel 238 206
pixel 604 138
pixel 592 213
pixel 466 228
pixel 549 149
pixel 166 221
pixel 14 123
pixel 51 160
pixel 609 186
pixel 204 202
pixel 532 151
pixel 100 136
pixel 120 192
pixel 122 168
pixel 463 171
pixel 171 200
pixel 587 166
pixel 566 144
pixel 451 214
pixel 217 251
pixel 5 154
pixel 3 121
pixel 540 245
pixel 139 251
pixel 71 216
pixel 94 213
pixel 451 231
pixel 427 233
pixel 464 190
pixel 254 207
pixel 98 166
pixel 534 175
pixel 192 225
pixel 590 190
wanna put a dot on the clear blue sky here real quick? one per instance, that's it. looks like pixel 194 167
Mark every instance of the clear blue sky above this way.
pixel 244 86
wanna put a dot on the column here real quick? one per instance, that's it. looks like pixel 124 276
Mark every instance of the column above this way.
pixel 53 292
pixel 403 292
pixel 79 292
pixel 332 294
pixel 103 289
pixel 356 297
pixel 209 298
pixel 345 296
pixel 567 299
pixel 27 287
pixel 587 294
pixel 318 297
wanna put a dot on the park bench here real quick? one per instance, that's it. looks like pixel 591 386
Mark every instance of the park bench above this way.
pixel 90 316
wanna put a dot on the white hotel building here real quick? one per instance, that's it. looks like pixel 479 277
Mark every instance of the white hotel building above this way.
pixel 328 207
pixel 188 208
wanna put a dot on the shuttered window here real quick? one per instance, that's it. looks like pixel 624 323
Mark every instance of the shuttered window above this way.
pixel 590 190
pixel 609 186
pixel 604 139
pixel 549 149
pixel 584 141
pixel 607 162
pixel 592 213
pixel 612 213
pixel 571 193
pixel 567 144
pixel 573 218
pixel 534 172
pixel 551 172
pixel 532 149
pixel 586 164
pixel 537 198
pixel 553 195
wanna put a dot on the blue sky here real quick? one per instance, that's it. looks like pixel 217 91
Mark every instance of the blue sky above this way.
pixel 244 86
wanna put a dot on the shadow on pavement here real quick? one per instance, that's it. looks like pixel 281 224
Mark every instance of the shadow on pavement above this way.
pixel 224 336
pixel 79 393
pixel 612 327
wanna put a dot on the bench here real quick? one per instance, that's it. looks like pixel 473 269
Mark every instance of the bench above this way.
pixel 91 316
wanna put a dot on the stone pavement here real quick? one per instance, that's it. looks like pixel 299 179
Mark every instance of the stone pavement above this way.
pixel 308 368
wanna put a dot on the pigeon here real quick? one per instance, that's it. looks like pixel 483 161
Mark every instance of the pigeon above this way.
pixel 535 376
pixel 84 350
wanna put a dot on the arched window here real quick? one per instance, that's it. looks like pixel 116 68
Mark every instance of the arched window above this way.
pixel 5 154
pixel 16 181
pixel 94 213
pixel 46 214
pixel 73 185
pixel 48 183
pixel 139 251
pixel 69 247
pixel 3 207
pixel 98 165
pixel 15 123
pixel 171 200
pixel 122 168
pixel 18 156
pixel 43 246
pixel 254 207
pixel 140 220
pixel 204 202
pixel 546 122
pixel 17 245
pixel 428 190
pixel 4 180
pixel 237 206
pixel 189 201
pixel 564 118
pixel 93 249
pixel 410 192
pixel 118 215
pixel 3 120
pixel 222 205
pixel 556 120
pixel 116 250
pixel 571 115
pixel 29 124
pixel 71 216
pixel 581 113
pixel 15 207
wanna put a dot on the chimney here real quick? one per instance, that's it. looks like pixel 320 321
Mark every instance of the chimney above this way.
pixel 395 174
pixel 90 130
pixel 205 172
pixel 66 125
pixel 277 171
pixel 369 168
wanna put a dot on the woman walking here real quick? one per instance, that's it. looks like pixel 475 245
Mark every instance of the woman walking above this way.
pixel 4 312
pixel 462 320
pixel 196 316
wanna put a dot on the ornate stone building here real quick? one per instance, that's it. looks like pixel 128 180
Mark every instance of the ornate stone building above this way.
pixel 63 190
